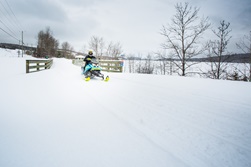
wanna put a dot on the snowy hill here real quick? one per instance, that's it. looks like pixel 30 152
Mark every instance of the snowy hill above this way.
pixel 54 118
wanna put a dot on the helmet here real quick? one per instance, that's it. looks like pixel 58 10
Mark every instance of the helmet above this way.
pixel 90 52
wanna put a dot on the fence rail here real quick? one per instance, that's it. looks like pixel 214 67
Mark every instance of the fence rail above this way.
pixel 38 65
pixel 111 65
pixel 106 65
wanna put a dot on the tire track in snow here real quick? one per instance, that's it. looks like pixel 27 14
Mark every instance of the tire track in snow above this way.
pixel 133 128
pixel 241 121
pixel 183 120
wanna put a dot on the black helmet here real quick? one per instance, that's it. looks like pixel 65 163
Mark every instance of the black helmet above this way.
pixel 90 52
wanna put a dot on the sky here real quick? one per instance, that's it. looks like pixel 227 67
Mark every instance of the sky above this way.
pixel 134 24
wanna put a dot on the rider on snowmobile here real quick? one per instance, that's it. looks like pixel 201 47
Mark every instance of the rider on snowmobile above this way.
pixel 88 58
pixel 91 68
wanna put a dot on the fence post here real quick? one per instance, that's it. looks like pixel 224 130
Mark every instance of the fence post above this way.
pixel 46 65
pixel 27 66
pixel 37 66
pixel 121 66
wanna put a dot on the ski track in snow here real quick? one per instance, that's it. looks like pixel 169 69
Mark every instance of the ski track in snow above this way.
pixel 55 118
pixel 209 137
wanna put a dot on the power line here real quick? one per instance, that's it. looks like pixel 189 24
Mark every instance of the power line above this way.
pixel 9 34
pixel 11 20
pixel 8 21
pixel 17 21
pixel 8 28
pixel 9 17
pixel 8 13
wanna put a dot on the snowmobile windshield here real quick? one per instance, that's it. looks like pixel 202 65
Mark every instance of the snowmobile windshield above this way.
pixel 94 61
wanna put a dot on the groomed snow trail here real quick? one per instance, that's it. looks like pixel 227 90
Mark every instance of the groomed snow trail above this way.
pixel 55 118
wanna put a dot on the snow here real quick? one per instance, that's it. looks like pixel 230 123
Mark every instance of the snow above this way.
pixel 55 118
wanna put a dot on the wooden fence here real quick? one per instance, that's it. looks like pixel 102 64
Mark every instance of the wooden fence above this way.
pixel 111 65
pixel 106 65
pixel 38 65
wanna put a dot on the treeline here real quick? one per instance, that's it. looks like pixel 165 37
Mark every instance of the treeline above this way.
pixel 151 65
pixel 48 46
pixel 232 58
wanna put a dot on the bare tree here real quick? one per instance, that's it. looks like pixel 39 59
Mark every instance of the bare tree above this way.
pixel 67 50
pixel 114 50
pixel 245 46
pixel 97 44
pixel 131 63
pixel 216 48
pixel 165 63
pixel 47 44
pixel 146 66
pixel 183 34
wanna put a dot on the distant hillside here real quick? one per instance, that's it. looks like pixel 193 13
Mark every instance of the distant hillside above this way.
pixel 16 46
pixel 234 58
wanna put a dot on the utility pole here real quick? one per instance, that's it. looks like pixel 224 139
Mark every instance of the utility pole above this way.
pixel 18 48
pixel 22 44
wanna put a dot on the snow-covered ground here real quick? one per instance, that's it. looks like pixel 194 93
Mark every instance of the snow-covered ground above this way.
pixel 54 118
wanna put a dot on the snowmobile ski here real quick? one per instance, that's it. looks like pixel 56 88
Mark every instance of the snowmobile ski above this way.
pixel 106 78
pixel 87 79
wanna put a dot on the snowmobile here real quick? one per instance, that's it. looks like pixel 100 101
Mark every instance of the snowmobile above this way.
pixel 93 70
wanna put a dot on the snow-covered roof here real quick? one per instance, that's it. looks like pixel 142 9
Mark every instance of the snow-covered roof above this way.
pixel 79 57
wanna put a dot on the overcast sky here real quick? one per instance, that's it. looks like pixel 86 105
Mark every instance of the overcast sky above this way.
pixel 134 23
